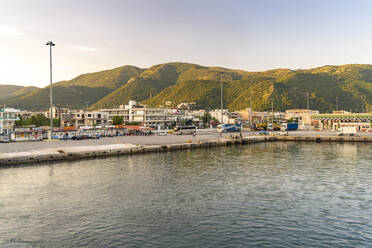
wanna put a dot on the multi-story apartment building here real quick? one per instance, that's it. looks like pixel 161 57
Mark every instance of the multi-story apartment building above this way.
pixel 57 112
pixel 25 114
pixel 82 118
pixel 140 113
pixel 8 117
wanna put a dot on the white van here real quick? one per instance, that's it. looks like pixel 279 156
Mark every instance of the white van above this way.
pixel 347 131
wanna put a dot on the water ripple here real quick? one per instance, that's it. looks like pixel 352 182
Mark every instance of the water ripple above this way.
pixel 263 195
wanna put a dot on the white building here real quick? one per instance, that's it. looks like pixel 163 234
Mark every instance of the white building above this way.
pixel 8 117
pixel 82 118
pixel 217 115
pixel 227 117
pixel 140 113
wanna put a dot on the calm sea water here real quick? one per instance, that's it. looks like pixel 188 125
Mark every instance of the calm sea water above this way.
pixel 263 195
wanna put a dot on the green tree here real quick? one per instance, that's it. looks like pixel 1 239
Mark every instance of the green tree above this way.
pixel 134 123
pixel 37 120
pixel 291 120
pixel 117 120
pixel 206 118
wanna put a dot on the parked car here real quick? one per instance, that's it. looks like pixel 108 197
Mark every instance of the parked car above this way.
pixel 4 139
pixel 160 132
pixel 283 133
pixel 263 133
pixel 81 137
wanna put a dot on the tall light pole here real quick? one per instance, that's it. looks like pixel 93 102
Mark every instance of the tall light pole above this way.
pixel 221 98
pixel 51 44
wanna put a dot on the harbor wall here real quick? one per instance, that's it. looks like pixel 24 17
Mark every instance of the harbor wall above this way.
pixel 82 152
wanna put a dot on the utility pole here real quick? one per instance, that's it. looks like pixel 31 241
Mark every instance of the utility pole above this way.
pixel 51 44
pixel 272 116
pixel 250 112
pixel 337 103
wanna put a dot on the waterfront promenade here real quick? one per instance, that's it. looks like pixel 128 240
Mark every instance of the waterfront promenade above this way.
pixel 43 151
pixel 136 140
pixel 144 140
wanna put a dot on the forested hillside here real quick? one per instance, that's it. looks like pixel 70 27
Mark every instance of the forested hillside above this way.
pixel 184 82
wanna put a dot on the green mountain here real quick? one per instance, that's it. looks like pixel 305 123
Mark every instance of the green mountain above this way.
pixel 8 92
pixel 149 82
pixel 184 82
pixel 83 90
pixel 352 84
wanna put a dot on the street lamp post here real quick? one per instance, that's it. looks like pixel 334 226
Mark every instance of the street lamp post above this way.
pixel 51 44
pixel 221 98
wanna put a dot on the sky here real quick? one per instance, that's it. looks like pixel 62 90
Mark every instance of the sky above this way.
pixel 95 35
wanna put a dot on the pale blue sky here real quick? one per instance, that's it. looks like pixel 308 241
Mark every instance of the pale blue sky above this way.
pixel 92 35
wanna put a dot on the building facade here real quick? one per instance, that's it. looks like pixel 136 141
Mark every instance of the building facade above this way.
pixel 257 117
pixel 139 113
pixel 227 117
pixel 8 117
pixel 82 118
pixel 303 116
pixel 362 121
pixel 57 112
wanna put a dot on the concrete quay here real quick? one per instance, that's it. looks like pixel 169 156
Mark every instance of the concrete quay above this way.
pixel 61 153
pixel 80 152
pixel 324 138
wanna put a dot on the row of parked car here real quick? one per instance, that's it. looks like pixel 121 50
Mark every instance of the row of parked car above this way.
pixel 83 137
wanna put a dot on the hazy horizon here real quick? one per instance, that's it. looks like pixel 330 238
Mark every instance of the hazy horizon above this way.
pixel 246 35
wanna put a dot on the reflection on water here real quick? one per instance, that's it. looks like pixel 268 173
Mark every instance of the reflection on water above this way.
pixel 264 195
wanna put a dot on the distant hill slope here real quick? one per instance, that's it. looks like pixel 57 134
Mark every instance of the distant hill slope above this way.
pixel 149 82
pixel 352 84
pixel 184 82
pixel 78 92
pixel 10 92
pixel 157 81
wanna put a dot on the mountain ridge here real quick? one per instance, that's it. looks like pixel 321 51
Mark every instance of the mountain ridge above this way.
pixel 186 82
